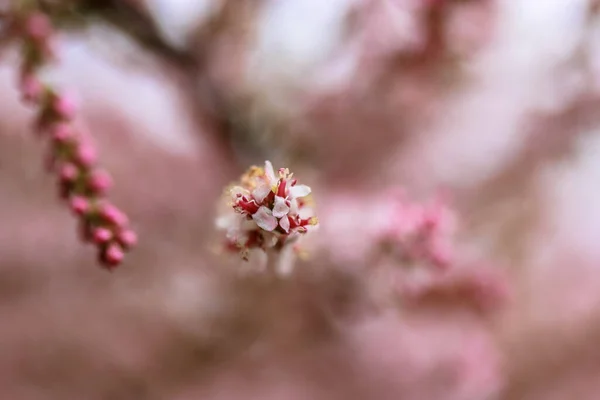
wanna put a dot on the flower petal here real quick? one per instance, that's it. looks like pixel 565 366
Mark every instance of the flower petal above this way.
pixel 299 191
pixel 293 207
pixel 264 219
pixel 280 208
pixel 284 223
pixel 270 173
pixel 261 192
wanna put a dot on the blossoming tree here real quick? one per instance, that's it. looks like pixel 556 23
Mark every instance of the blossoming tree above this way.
pixel 434 175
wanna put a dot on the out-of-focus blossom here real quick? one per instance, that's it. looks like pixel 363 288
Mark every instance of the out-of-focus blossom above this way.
pixel 421 259
pixel 420 233
pixel 267 210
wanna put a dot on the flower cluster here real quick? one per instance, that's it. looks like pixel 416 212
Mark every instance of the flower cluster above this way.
pixel 269 210
pixel 420 233
pixel 72 155
pixel 420 236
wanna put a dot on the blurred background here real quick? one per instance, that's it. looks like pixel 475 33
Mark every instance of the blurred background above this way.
pixel 495 103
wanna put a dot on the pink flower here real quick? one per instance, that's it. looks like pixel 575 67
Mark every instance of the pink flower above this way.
pixel 420 233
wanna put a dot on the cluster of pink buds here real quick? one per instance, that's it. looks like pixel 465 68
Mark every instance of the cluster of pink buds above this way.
pixel 269 210
pixel 72 155
pixel 420 233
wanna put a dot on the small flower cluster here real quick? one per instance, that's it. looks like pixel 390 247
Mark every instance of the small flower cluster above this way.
pixel 269 210
pixel 421 236
pixel 72 155
pixel 420 233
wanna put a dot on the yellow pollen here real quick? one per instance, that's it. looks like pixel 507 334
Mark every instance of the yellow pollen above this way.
pixel 250 178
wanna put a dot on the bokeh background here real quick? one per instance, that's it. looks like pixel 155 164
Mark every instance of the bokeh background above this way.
pixel 494 102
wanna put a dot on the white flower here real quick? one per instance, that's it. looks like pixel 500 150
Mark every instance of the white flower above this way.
pixel 266 210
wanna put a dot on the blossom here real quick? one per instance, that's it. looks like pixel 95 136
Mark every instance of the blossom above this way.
pixel 266 210
pixel 420 233
pixel 421 236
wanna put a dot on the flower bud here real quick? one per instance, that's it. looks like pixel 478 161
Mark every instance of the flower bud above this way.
pixel 65 106
pixel 79 205
pixel 127 238
pixel 86 155
pixel 99 181
pixel 102 235
pixel 111 256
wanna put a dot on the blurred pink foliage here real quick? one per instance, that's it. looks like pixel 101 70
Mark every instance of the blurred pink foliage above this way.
pixel 491 293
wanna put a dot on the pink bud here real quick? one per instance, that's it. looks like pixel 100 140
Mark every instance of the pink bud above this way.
pixel 128 238
pixel 86 154
pixel 65 106
pixel 113 215
pixel 68 172
pixel 79 205
pixel 62 132
pixel 112 256
pixel 31 88
pixel 102 235
pixel 38 26
pixel 100 181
